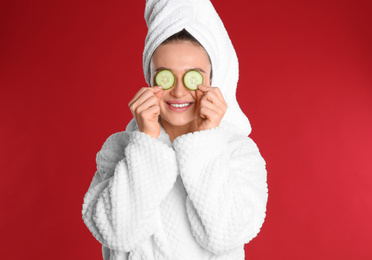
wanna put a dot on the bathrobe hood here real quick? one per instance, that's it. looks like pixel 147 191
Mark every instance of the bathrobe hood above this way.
pixel 167 17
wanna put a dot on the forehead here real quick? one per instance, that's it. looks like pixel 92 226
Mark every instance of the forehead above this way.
pixel 180 55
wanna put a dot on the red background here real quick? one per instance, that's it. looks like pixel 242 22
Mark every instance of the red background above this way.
pixel 69 68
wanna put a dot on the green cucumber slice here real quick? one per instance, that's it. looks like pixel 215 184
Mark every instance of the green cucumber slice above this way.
pixel 192 79
pixel 165 78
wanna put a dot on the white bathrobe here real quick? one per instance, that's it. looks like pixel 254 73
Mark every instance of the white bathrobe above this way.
pixel 201 197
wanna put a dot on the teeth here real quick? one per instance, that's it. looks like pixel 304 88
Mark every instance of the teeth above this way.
pixel 180 105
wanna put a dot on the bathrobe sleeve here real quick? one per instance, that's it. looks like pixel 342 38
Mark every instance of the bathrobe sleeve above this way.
pixel 134 173
pixel 225 178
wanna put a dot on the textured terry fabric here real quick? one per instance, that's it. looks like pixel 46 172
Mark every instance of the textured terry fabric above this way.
pixel 201 197
pixel 167 17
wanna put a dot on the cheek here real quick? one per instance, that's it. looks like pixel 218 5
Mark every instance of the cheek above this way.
pixel 192 93
pixel 161 99
pixel 207 81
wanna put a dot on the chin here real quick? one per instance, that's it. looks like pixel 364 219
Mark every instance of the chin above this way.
pixel 178 121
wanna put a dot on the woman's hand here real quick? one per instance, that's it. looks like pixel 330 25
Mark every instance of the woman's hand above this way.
pixel 212 107
pixel 146 110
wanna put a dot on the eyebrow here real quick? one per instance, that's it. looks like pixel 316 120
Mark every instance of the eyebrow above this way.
pixel 198 69
pixel 186 70
pixel 161 68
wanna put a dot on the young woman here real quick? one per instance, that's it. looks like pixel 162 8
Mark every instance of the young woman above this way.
pixel 180 182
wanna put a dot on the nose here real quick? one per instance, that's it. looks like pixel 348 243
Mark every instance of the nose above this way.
pixel 179 89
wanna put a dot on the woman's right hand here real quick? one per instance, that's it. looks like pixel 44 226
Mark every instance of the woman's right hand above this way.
pixel 146 110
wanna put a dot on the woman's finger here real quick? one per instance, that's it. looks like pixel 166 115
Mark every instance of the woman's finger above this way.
pixel 199 95
pixel 150 113
pixel 204 88
pixel 217 107
pixel 209 114
pixel 149 102
pixel 142 96
pixel 215 90
pixel 211 97
pixel 143 90
pixel 158 91
pixel 218 93
pixel 137 95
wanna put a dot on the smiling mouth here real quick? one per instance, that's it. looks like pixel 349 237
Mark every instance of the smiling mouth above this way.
pixel 179 105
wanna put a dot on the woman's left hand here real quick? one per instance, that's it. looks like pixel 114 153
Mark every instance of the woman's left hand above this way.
pixel 211 107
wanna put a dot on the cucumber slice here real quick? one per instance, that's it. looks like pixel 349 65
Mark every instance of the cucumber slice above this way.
pixel 165 78
pixel 192 79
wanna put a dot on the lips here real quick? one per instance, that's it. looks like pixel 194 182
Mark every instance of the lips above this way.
pixel 178 105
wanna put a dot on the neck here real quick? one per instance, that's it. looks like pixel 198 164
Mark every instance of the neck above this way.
pixel 175 131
